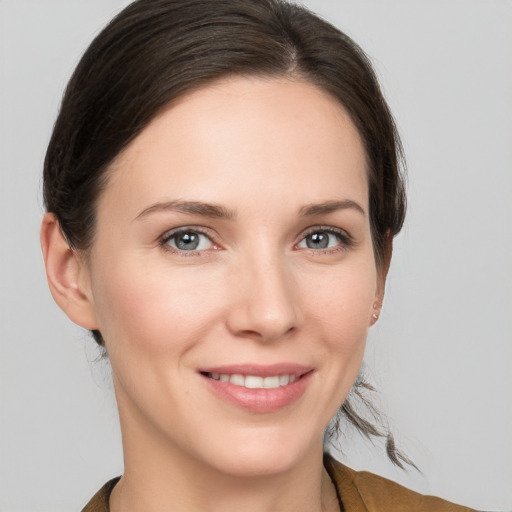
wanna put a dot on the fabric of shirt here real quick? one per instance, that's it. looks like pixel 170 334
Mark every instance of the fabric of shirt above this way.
pixel 358 491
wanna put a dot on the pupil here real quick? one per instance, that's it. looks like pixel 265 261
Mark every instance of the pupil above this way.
pixel 187 241
pixel 318 241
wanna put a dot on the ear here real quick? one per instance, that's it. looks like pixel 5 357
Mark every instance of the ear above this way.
pixel 67 274
pixel 382 273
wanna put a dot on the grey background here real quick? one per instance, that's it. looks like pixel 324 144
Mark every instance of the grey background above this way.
pixel 441 353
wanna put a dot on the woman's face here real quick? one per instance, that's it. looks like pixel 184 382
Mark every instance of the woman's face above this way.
pixel 232 274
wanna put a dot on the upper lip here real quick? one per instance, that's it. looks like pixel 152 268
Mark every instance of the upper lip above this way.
pixel 259 370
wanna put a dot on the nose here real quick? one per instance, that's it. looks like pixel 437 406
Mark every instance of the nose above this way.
pixel 265 305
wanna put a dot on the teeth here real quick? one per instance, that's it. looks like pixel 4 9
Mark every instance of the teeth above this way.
pixel 284 380
pixel 253 381
pixel 271 382
pixel 237 380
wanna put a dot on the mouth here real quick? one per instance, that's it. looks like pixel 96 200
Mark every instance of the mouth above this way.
pixel 256 388
pixel 254 381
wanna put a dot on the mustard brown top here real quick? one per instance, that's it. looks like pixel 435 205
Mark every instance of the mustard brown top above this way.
pixel 358 491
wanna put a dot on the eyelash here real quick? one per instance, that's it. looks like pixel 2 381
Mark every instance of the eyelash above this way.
pixel 167 237
pixel 346 241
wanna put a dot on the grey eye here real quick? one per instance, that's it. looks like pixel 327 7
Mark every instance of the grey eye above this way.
pixel 320 240
pixel 189 241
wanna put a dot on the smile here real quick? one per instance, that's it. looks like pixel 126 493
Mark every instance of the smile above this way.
pixel 254 381
pixel 256 388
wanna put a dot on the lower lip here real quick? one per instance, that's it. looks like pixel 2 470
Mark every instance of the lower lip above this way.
pixel 260 400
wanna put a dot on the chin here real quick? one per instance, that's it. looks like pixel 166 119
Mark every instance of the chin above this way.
pixel 264 454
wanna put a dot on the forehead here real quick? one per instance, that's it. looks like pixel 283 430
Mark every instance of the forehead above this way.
pixel 287 139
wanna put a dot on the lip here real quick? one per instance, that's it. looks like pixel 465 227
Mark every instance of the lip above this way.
pixel 259 400
pixel 260 370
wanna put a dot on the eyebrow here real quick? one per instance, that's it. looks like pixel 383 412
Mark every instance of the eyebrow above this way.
pixel 330 207
pixel 193 207
pixel 220 212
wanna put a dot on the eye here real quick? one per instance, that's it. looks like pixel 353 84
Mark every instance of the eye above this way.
pixel 187 240
pixel 321 239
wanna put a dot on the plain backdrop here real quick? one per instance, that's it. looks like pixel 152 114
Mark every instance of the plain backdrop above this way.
pixel 441 355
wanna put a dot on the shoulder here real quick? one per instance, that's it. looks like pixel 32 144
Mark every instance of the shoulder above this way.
pixel 361 491
pixel 100 501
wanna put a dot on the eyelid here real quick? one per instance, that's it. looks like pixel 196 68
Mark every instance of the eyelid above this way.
pixel 171 233
pixel 347 240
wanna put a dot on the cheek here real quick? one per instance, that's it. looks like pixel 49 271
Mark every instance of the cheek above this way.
pixel 341 311
pixel 342 301
pixel 152 310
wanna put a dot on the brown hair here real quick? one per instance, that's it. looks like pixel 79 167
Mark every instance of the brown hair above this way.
pixel 154 51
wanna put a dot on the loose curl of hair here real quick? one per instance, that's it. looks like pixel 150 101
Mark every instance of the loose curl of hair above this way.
pixel 154 51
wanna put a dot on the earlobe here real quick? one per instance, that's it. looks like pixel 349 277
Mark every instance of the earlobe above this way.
pixel 376 312
pixel 382 272
pixel 67 274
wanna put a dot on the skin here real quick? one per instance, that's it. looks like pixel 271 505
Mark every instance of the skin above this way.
pixel 253 291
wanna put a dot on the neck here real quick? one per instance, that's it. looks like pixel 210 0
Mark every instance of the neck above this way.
pixel 159 477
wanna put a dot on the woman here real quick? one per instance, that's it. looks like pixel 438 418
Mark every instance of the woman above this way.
pixel 222 189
